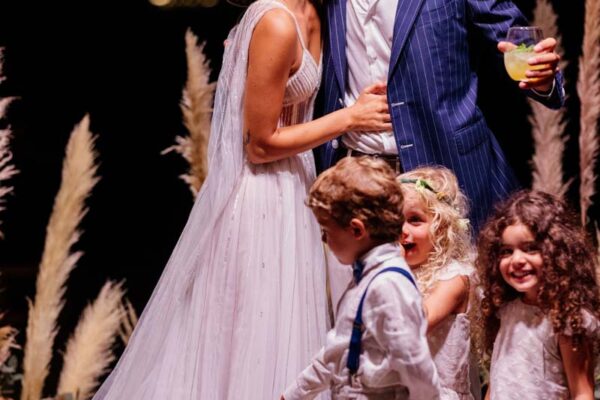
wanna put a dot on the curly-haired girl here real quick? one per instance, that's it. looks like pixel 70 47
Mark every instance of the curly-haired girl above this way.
pixel 437 242
pixel 541 301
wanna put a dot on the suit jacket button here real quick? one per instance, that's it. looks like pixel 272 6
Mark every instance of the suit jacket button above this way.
pixel 335 144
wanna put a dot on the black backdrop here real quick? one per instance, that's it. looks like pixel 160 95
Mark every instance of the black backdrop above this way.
pixel 125 66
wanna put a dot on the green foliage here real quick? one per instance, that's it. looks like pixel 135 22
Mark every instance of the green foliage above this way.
pixel 523 48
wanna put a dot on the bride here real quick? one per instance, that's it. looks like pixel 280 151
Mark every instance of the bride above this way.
pixel 240 307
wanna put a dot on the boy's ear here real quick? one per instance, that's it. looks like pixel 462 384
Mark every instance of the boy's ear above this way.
pixel 359 231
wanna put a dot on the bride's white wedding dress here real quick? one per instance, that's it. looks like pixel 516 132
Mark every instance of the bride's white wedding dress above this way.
pixel 240 308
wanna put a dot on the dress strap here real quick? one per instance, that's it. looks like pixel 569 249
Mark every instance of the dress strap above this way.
pixel 357 327
pixel 454 269
pixel 298 30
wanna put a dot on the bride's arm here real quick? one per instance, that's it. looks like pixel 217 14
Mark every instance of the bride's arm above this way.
pixel 272 54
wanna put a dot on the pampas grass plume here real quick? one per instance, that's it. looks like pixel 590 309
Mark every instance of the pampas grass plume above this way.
pixel 89 351
pixel 7 170
pixel 196 107
pixel 7 342
pixel 128 322
pixel 598 256
pixel 548 125
pixel 78 179
pixel 588 89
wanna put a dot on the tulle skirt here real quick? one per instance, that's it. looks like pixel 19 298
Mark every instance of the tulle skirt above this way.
pixel 253 312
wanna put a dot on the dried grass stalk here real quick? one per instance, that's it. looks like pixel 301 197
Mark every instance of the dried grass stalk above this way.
pixel 4 103
pixel 598 255
pixel 588 89
pixel 78 179
pixel 89 351
pixel 7 342
pixel 196 106
pixel 547 126
pixel 545 17
pixel 128 322
pixel 2 77
pixel 7 170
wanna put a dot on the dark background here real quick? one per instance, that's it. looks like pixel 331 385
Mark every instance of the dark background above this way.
pixel 125 66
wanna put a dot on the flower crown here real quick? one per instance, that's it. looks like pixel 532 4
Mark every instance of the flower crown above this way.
pixel 422 185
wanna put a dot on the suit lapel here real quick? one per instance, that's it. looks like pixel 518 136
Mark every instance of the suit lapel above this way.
pixel 406 14
pixel 336 17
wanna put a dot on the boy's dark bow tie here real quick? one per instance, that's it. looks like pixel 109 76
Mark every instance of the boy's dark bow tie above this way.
pixel 357 270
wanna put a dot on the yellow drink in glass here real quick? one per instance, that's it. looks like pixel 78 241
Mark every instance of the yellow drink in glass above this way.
pixel 515 62
pixel 523 39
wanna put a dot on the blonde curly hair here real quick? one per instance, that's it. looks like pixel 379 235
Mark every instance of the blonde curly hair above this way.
pixel 437 189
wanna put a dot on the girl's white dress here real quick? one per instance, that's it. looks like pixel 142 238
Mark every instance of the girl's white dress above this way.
pixel 526 361
pixel 450 342
pixel 240 308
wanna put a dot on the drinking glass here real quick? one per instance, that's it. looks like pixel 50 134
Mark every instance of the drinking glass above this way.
pixel 523 38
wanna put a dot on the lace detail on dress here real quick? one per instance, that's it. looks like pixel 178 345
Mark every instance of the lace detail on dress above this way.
pixel 300 92
pixel 526 359
pixel 304 82
pixel 450 342
pixel 454 269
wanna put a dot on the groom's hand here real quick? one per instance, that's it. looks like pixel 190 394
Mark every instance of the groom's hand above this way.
pixel 544 65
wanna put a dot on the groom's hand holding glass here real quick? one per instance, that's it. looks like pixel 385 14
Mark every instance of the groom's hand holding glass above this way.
pixel 530 59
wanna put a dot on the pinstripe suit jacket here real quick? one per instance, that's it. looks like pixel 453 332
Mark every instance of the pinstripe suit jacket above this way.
pixel 432 90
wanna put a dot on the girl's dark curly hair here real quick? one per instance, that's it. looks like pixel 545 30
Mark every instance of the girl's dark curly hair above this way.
pixel 568 282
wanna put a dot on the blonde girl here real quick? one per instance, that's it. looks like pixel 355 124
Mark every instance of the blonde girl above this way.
pixel 437 243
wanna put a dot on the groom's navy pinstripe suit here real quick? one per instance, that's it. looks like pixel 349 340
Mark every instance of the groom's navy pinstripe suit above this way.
pixel 432 90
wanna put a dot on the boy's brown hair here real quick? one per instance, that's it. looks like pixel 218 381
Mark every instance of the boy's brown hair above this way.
pixel 364 188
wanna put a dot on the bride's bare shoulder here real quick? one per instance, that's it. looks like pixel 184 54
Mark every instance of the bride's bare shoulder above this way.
pixel 276 22
pixel 274 42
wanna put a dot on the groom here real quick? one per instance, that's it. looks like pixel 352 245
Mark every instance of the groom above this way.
pixel 426 50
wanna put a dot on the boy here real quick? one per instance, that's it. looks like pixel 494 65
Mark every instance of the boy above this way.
pixel 359 207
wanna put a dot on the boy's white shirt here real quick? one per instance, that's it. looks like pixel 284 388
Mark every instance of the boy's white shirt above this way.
pixel 394 352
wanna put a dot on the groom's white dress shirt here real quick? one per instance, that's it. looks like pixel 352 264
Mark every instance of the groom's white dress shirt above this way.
pixel 369 31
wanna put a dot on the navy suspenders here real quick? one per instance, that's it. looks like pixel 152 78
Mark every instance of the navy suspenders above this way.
pixel 354 353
